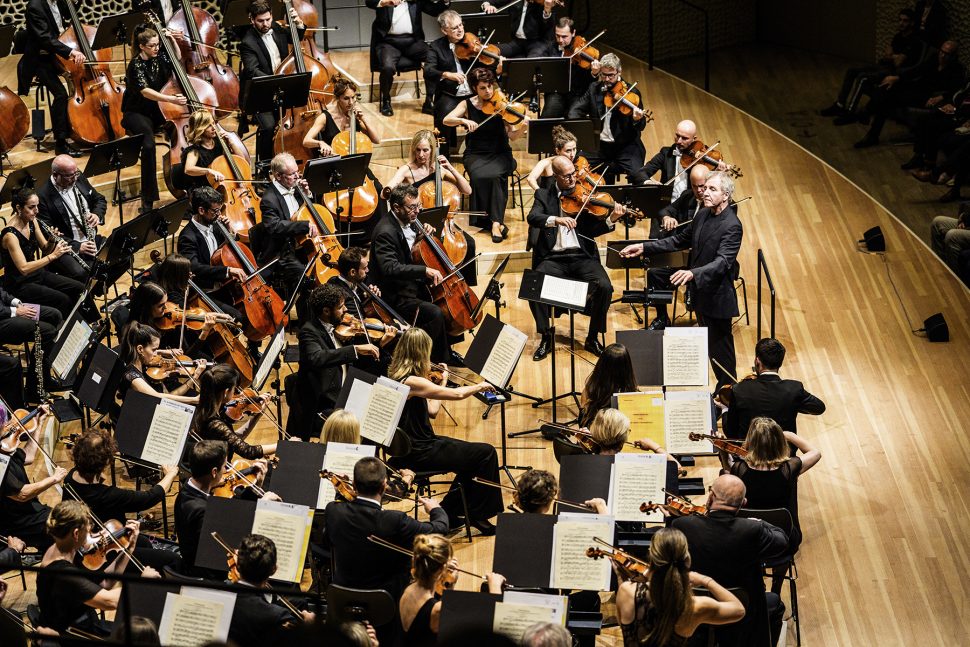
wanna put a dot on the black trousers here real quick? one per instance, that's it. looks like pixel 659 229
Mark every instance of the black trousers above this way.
pixel 467 460
pixel 522 48
pixel 659 279
pixel 443 104
pixel 285 276
pixel 429 318
pixel 389 53
pixel 622 157
pixel 48 289
pixel 12 381
pixel 720 347
pixel 265 130
pixel 555 104
pixel 67 266
pixel 857 80
pixel 51 80
pixel 577 267
pixel 138 124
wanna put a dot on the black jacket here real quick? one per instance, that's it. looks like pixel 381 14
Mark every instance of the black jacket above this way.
pixel 664 161
pixel 536 27
pixel 391 266
pixel 440 60
pixel 40 41
pixel 320 376
pixel 53 212
pixel 731 550
pixel 280 230
pixel 626 131
pixel 714 242
pixel 254 56
pixel 257 622
pixel 362 564
pixel 546 204
pixel 189 517
pixel 382 18
pixel 770 396
pixel 682 209
pixel 192 245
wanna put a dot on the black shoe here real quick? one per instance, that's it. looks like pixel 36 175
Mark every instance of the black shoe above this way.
pixel 951 196
pixel 497 238
pixel 427 108
pixel 659 323
pixel 386 109
pixel 915 162
pixel 833 110
pixel 866 142
pixel 845 119
pixel 63 148
pixel 456 360
pixel 545 347
pixel 484 526
pixel 505 231
pixel 594 346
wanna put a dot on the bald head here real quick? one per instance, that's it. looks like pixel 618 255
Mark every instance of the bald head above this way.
pixel 64 170
pixel 698 176
pixel 685 134
pixel 565 173
pixel 727 493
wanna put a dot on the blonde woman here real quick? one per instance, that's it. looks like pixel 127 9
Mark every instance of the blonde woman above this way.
pixel 564 144
pixel 610 430
pixel 203 150
pixel 341 426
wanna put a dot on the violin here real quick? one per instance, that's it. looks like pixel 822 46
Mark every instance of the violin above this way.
pixel 629 566
pixel 22 421
pixel 246 402
pixel 576 436
pixel 699 153
pixel 512 112
pixel 585 174
pixel 458 303
pixel 162 367
pixel 470 48
pixel 237 478
pixel 725 395
pixel 193 318
pixel 598 204
pixel 378 308
pixel 581 53
pixel 350 327
pixel 398 485
pixel 105 545
pixel 677 506
pixel 341 484
pixel 231 562
pixel 198 53
pixel 626 101
pixel 735 447
pixel 359 204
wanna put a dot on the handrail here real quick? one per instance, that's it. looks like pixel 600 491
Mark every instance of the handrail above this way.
pixel 707 40
pixel 771 288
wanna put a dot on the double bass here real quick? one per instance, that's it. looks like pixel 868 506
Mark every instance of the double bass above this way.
pixel 15 127
pixel 457 301
pixel 199 57
pixel 95 109
pixel 357 205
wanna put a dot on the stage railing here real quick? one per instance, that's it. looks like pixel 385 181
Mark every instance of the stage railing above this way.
pixel 763 269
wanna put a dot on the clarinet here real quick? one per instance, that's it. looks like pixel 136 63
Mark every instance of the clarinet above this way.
pixel 70 250
pixel 89 231
pixel 39 362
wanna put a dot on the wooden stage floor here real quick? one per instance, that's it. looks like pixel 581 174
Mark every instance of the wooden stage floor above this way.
pixel 886 530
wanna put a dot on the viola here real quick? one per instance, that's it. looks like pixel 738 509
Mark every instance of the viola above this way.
pixel 629 566
pixel 699 153
pixel 620 95
pixel 581 53
pixel 735 447
pixel 378 308
pixel 512 112
pixel 236 189
pixel 359 204
pixel 350 327
pixel 160 367
pixel 230 557
pixel 326 246
pixel 598 204
pixel 95 109
pixel 198 55
pixel 585 174
pixel 677 506
pixel 17 123
pixel 341 484
pixel 242 474
pixel 470 48
pixel 174 316
pixel 104 546
pixel 246 402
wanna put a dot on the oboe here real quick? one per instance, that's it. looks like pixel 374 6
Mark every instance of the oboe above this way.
pixel 39 361
pixel 70 250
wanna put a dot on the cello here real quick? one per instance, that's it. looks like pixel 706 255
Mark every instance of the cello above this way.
pixel 95 109
pixel 325 245
pixel 199 58
pixel 243 212
pixel 311 20
pixel 225 345
pixel 437 194
pixel 359 205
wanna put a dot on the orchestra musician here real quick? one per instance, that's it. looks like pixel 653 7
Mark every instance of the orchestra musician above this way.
pixel 610 430
pixel 139 346
pixel 147 74
pixel 150 300
pixel 714 238
pixel 28 254
pixel 204 149
pixel 620 145
pixel 536 492
pixel 352 265
pixel 217 385
pixel 341 426
pixel 557 104
pixel 564 247
pixel 488 153
pixel 564 145
pixel 612 373
pixel 262 47
pixel 69 204
pixel 336 118
pixel 667 160
pixel 45 22
pixel 397 34
pixel 532 23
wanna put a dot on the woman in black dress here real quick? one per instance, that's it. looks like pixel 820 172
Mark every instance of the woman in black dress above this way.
pixel 139 347
pixel 488 155
pixel 216 387
pixel 147 73
pixel 27 254
pixel 203 150
pixel 613 373
pixel 410 365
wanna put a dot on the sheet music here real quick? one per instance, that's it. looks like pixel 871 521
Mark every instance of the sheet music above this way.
pixel 571 536
pixel 637 478
pixel 572 293
pixel 511 620
pixel 385 404
pixel 195 617
pixel 685 357
pixel 265 364
pixel 288 525
pixel 71 350
pixel 167 432
pixel 645 409
pixel 504 356
pixel 557 603
pixel 340 459
pixel 686 412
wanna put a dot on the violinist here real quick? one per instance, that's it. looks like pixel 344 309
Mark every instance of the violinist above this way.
pixel 148 73
pixel 217 385
pixel 323 361
pixel 620 144
pixel 613 373
pixel 531 24
pixel 557 104
pixel 564 248
pixel 667 160
pixel 352 265
pixel 139 348
pixel 711 272
pixel 488 154
pixel 67 599
pixel 204 149
pixel 155 305
pixel 610 430
pixel 420 604
pixel 21 512
pixel 536 492
pixel 258 618
pixel 73 207
pixel 336 118
pixel 664 610
pixel 564 145
pixel 262 47
pixel 46 21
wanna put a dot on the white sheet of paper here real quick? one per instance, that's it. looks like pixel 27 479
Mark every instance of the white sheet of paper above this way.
pixel 273 350
pixel 557 603
pixel 196 616
pixel 340 459
pixel 74 345
pixel 571 536
pixel 637 478
pixel 511 620
pixel 572 293
pixel 685 356
pixel 385 404
pixel 686 412
pixel 504 355
pixel 288 525
pixel 357 398
pixel 167 432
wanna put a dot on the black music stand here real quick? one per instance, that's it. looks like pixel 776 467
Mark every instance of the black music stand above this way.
pixel 275 93
pixel 540 134
pixel 27 177
pixel 117 30
pixel 537 76
pixel 646 296
pixel 339 173
pixel 115 156
pixel 482 24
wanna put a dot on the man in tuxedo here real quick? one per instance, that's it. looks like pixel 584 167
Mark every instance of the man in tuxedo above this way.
pixel 262 48
pixel 18 322
pixel 667 161
pixel 620 145
pixel 323 361
pixel 70 204
pixel 46 20
pixel 769 395
pixel 714 238
pixel 731 550
pixel 397 33
pixel 403 281
pixel 564 248
pixel 556 104
pixel 531 27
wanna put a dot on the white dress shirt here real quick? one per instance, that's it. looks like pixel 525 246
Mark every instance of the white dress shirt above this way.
pixel 400 20
pixel 680 184
pixel 289 195
pixel 274 51
pixel 566 238
pixel 463 89
pixel 520 32
pixel 57 14
pixel 410 235
pixel 167 9
pixel 208 235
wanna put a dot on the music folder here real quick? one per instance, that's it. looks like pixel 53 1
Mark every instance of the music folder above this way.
pixel 495 351
pixel 153 429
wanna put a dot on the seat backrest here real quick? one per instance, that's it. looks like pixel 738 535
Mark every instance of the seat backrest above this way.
pixel 400 444
pixel 779 517
pixel 346 604
pixel 562 447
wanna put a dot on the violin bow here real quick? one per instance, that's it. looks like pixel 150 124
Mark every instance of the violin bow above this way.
pixel 479 54
pixel 588 43
pixel 619 101
pixel 572 504
pixel 496 113
pixel 729 373
pixel 404 551
pixel 697 159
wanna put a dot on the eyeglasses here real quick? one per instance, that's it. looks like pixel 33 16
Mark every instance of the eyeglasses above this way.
pixel 75 174
pixel 152 45
pixel 411 207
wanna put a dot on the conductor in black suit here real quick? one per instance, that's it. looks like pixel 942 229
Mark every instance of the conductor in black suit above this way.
pixel 714 239
pixel 71 205
pixel 263 46
pixel 531 27
pixel 564 248
pixel 769 395
pixel 323 362
pixel 397 33
pixel 732 550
